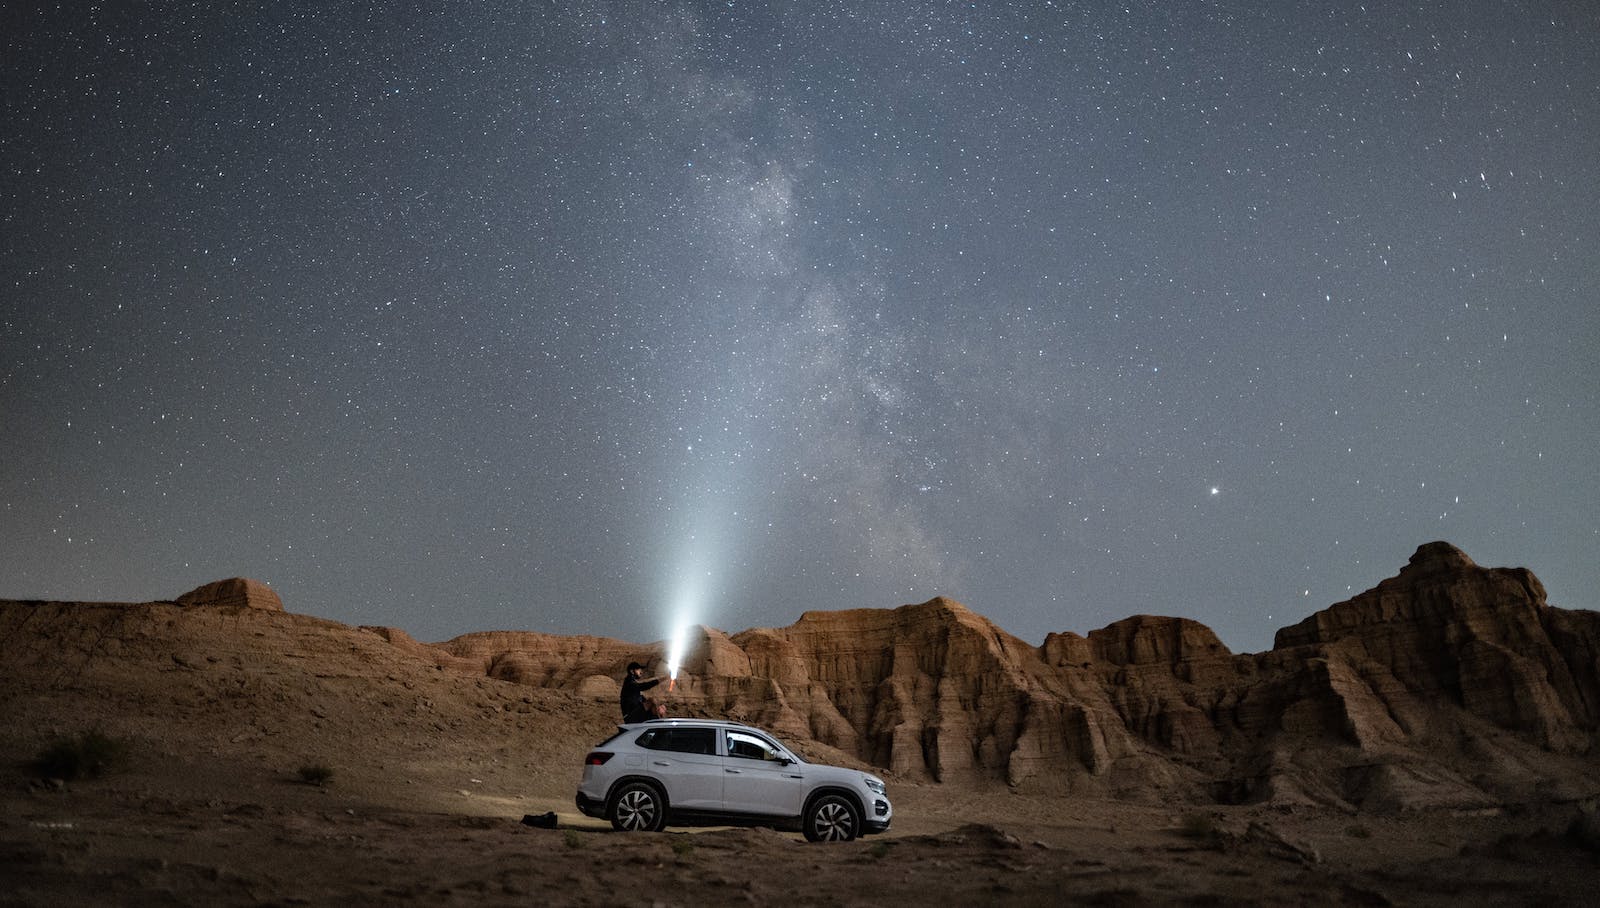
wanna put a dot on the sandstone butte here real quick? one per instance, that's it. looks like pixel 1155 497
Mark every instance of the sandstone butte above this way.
pixel 1449 685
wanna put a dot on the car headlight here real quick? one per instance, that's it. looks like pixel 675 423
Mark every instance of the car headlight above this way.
pixel 874 785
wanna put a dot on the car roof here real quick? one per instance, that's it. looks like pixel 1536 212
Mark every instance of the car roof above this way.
pixel 697 723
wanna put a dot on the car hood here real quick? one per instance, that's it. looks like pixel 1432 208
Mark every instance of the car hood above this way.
pixel 824 773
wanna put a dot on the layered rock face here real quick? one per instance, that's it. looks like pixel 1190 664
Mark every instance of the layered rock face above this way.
pixel 1448 684
pixel 1446 632
pixel 235 592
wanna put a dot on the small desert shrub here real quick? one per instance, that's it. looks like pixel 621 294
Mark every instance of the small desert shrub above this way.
pixel 1198 825
pixel 315 774
pixel 879 850
pixel 572 840
pixel 682 847
pixel 93 753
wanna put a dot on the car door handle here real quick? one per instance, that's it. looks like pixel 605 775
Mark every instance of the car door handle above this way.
pixel 734 771
pixel 663 762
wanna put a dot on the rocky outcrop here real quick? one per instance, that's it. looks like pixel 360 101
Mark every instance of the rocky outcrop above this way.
pixel 540 660
pixel 235 592
pixel 1448 684
pixel 930 689
pixel 1448 633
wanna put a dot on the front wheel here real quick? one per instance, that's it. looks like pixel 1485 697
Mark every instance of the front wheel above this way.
pixel 638 807
pixel 832 818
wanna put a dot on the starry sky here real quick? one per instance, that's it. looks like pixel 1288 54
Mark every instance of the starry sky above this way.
pixel 573 317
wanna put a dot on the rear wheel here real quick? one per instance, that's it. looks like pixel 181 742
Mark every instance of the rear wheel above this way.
pixel 638 807
pixel 832 818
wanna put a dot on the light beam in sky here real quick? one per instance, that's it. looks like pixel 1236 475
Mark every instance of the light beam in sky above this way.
pixel 686 606
pixel 675 643
pixel 689 600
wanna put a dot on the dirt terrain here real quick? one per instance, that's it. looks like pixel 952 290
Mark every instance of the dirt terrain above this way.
pixel 224 711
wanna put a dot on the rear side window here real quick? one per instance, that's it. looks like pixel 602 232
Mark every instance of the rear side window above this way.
pixel 680 740
pixel 692 740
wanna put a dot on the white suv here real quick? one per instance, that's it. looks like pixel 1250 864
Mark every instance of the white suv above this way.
pixel 691 772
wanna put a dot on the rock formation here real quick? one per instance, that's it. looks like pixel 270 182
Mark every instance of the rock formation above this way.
pixel 1447 632
pixel 1447 685
pixel 235 592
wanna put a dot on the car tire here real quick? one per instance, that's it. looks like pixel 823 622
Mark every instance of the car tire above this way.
pixel 638 807
pixel 832 818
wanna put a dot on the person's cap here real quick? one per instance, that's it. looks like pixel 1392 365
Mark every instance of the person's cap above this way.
pixel 634 665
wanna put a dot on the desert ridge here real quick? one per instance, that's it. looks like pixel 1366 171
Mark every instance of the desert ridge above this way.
pixel 1446 685
pixel 1429 738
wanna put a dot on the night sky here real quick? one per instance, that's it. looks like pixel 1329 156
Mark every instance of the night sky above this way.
pixel 572 317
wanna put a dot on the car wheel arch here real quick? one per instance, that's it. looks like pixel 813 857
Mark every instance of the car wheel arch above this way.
pixel 845 793
pixel 624 781
pixel 833 814
pixel 620 788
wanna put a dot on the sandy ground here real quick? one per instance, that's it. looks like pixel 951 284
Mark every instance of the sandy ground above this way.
pixel 270 841
pixel 432 773
pixel 168 830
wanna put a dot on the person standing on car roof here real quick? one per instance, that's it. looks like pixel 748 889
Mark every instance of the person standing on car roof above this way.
pixel 633 688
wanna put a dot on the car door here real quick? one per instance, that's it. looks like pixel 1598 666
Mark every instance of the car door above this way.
pixel 685 761
pixel 759 777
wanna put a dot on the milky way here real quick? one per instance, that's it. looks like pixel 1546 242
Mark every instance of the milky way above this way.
pixel 541 316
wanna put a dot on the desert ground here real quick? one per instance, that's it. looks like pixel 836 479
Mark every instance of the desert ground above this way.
pixel 429 773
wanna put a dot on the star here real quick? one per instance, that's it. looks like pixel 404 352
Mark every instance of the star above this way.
pixel 535 312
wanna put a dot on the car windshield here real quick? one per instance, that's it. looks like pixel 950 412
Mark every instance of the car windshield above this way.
pixel 785 749
pixel 791 753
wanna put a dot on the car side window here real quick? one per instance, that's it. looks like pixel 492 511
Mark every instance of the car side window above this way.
pixel 692 740
pixel 679 740
pixel 749 747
